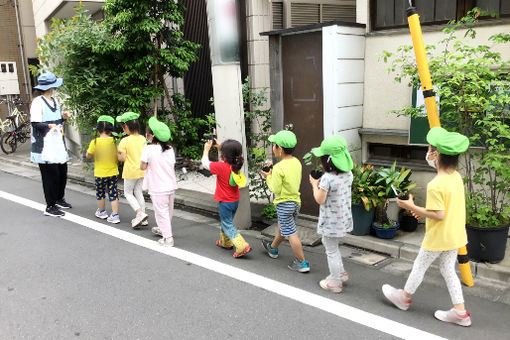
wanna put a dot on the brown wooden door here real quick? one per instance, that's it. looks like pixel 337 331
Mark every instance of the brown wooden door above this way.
pixel 302 100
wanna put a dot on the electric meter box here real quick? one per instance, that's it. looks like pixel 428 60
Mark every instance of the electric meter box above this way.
pixel 8 78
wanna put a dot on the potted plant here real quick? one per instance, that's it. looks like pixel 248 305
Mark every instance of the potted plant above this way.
pixel 407 221
pixel 389 179
pixel 311 160
pixel 472 84
pixel 363 197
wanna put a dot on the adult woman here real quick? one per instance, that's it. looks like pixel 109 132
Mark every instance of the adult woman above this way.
pixel 45 116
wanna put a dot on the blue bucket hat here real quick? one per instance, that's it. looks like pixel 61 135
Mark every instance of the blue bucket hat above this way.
pixel 47 81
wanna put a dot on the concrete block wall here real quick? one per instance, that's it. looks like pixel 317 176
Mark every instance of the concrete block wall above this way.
pixel 258 19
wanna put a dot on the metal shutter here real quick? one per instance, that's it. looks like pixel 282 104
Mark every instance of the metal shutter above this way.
pixel 304 14
pixel 346 12
pixel 277 10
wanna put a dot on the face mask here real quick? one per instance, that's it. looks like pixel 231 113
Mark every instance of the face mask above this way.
pixel 431 163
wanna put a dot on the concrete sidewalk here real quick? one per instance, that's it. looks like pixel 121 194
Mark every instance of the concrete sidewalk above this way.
pixel 196 191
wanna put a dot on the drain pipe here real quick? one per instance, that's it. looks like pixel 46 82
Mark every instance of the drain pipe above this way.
pixel 16 8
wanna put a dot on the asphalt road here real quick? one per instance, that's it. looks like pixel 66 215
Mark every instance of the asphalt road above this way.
pixel 62 280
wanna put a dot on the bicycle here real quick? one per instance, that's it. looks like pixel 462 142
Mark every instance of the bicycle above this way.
pixel 16 134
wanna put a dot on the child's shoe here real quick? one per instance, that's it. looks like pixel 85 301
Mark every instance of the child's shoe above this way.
pixel 139 218
pixel 344 277
pixel 245 251
pixel 327 285
pixel 115 219
pixel 396 296
pixel 272 252
pixel 299 266
pixel 453 316
pixel 101 214
pixel 167 242
pixel 219 244
pixel 157 231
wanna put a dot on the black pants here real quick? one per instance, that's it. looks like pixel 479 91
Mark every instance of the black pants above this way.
pixel 54 179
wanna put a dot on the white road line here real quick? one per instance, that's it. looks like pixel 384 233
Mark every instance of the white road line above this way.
pixel 331 306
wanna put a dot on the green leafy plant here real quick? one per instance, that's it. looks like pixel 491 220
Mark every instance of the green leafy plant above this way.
pixel 185 128
pixel 364 189
pixel 269 211
pixel 258 129
pixel 311 160
pixel 117 64
pixel 386 177
pixel 472 83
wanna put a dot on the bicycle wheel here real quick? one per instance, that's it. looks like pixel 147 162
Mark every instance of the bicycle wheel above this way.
pixel 8 142
pixel 24 131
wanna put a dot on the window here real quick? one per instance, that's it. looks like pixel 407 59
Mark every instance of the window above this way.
pixel 11 67
pixel 392 13
pixel 386 154
pixel 4 68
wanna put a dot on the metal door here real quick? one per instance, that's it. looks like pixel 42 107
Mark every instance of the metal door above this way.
pixel 303 101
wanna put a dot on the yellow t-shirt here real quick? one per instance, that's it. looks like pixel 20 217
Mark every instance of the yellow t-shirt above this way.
pixel 446 192
pixel 105 157
pixel 132 146
pixel 285 181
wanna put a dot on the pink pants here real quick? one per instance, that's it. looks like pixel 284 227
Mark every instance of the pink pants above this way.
pixel 163 209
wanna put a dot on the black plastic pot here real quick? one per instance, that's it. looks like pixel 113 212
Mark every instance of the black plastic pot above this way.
pixel 408 223
pixel 362 219
pixel 267 168
pixel 316 174
pixel 487 244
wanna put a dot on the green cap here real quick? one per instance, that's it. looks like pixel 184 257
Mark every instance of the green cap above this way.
pixel 106 118
pixel 336 147
pixel 159 129
pixel 284 138
pixel 127 116
pixel 447 143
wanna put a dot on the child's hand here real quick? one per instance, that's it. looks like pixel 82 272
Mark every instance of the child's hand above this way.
pixel 415 215
pixel 208 145
pixel 314 182
pixel 266 173
pixel 406 204
pixel 66 115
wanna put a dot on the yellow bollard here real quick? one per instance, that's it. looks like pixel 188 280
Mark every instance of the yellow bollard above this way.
pixel 433 116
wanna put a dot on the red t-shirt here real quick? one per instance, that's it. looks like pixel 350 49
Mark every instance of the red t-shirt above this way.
pixel 224 191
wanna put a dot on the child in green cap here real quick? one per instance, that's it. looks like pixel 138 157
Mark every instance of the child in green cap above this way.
pixel 130 152
pixel 106 171
pixel 445 214
pixel 333 193
pixel 158 159
pixel 284 180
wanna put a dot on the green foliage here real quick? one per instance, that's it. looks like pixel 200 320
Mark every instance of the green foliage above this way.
pixel 472 83
pixel 118 64
pixel 185 129
pixel 311 160
pixel 258 129
pixel 364 189
pixel 269 211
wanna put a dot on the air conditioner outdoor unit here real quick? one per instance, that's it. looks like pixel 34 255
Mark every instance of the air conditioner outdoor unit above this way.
pixel 8 78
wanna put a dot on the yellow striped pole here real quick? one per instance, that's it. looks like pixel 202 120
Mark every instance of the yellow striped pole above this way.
pixel 433 116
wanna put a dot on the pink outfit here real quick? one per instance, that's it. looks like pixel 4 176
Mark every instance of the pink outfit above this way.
pixel 161 183
pixel 163 209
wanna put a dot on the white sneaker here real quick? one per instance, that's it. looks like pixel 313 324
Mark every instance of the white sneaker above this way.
pixel 396 296
pixel 113 219
pixel 145 223
pixel 101 214
pixel 167 242
pixel 157 231
pixel 139 218
pixel 327 285
pixel 454 317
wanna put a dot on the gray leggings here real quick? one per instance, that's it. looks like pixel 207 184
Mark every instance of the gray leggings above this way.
pixel 447 261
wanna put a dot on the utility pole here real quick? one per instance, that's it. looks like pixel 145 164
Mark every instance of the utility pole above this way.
pixel 223 23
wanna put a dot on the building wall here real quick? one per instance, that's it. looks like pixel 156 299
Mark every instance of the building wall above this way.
pixel 9 40
pixel 382 94
pixel 258 19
